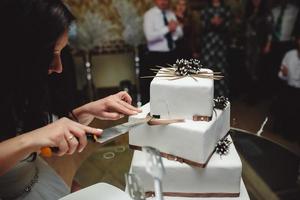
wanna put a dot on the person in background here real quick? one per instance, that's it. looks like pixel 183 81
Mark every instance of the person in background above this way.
pixel 33 36
pixel 287 106
pixel 216 19
pixel 284 20
pixel 236 54
pixel 188 45
pixel 259 29
pixel 162 30
pixel 237 8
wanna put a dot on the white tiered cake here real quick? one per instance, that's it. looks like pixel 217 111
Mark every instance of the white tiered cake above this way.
pixel 198 161
pixel 193 168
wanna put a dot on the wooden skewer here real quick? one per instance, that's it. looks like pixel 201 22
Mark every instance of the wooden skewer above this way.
pixel 156 76
pixel 194 78
pixel 161 70
pixel 177 77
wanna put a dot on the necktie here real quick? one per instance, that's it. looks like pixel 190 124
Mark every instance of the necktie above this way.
pixel 279 22
pixel 168 36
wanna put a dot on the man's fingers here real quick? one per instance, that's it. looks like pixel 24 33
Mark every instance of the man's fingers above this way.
pixel 112 115
pixel 117 107
pixel 130 107
pixel 125 97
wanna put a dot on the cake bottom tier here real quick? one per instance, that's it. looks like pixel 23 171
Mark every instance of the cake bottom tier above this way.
pixel 110 192
pixel 243 196
pixel 220 178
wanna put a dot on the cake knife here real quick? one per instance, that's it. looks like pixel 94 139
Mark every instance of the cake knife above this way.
pixel 112 133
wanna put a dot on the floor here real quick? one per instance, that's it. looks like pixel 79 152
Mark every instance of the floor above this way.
pixel 109 163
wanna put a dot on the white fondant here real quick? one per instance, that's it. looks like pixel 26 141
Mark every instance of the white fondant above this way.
pixel 181 98
pixel 221 175
pixel 98 191
pixel 192 140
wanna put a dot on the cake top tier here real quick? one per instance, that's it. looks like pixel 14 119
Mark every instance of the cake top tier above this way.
pixel 183 90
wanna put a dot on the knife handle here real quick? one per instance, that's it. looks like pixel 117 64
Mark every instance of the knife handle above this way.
pixel 48 151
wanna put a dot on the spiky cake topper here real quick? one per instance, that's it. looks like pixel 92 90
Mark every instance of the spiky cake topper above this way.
pixel 187 67
pixel 221 102
pixel 184 68
pixel 222 147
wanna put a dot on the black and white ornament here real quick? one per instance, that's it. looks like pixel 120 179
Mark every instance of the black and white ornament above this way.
pixel 187 67
pixel 221 102
pixel 222 147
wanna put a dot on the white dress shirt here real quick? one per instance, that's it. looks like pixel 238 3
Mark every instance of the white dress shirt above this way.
pixel 291 61
pixel 288 20
pixel 155 29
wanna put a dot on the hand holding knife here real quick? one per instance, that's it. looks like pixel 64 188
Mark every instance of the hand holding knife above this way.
pixel 112 133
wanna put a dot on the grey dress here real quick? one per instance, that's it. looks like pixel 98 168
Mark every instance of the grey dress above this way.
pixel 37 177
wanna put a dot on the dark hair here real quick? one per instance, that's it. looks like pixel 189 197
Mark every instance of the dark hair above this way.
pixel 262 10
pixel 30 29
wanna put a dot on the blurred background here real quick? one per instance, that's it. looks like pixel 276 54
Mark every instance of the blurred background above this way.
pixel 108 51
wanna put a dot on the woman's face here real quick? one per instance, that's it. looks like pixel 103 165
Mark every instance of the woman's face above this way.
pixel 215 1
pixel 56 65
pixel 256 3
pixel 181 6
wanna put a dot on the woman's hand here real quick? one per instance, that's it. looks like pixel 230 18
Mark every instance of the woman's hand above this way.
pixel 112 107
pixel 67 135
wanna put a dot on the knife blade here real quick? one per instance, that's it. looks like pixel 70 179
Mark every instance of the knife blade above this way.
pixel 115 131
pixel 111 133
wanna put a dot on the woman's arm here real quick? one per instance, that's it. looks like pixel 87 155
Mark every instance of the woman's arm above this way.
pixel 67 135
pixel 15 149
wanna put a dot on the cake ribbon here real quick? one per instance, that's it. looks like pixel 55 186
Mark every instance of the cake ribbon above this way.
pixel 184 68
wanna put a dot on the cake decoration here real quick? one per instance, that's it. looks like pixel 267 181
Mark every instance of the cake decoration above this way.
pixel 221 102
pixel 222 147
pixel 156 116
pixel 184 68
pixel 187 67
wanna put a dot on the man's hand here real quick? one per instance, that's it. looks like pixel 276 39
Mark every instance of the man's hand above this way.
pixel 172 26
pixel 112 107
